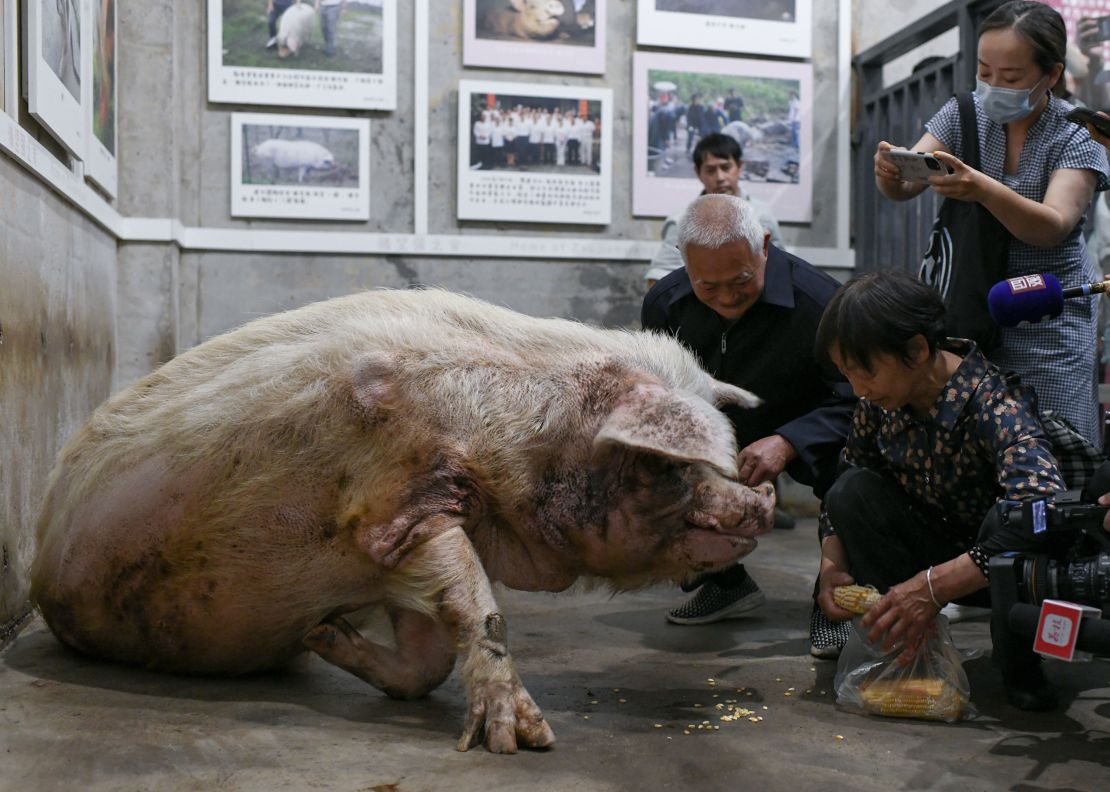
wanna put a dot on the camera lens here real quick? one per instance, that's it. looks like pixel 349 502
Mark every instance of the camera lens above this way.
pixel 1085 580
pixel 933 164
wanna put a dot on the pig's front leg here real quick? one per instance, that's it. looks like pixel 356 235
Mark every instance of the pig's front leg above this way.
pixel 497 702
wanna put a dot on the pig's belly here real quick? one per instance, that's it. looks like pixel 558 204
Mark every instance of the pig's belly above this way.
pixel 138 577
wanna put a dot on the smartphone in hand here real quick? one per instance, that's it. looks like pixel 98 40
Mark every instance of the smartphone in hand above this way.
pixel 915 166
pixel 1084 116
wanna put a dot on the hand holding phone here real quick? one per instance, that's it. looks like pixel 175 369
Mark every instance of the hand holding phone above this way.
pixel 915 166
pixel 1084 116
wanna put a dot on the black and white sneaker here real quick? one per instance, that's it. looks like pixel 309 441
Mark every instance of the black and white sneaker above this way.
pixel 826 638
pixel 714 603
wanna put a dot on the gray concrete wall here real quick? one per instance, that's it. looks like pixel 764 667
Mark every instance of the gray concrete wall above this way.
pixel 175 162
pixel 57 354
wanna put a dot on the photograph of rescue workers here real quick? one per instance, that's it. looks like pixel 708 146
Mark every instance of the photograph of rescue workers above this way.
pixel 316 35
pixel 538 134
pixel 761 113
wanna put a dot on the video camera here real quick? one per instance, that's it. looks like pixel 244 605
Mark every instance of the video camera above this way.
pixel 1075 568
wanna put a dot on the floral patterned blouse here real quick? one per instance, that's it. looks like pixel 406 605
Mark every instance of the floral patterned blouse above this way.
pixel 981 443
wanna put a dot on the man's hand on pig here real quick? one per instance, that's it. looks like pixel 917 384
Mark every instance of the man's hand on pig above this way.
pixel 764 459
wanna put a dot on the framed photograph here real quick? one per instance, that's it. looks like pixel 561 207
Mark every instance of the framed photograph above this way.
pixel 54 58
pixel 534 153
pixel 8 43
pixel 559 35
pixel 304 53
pixel 760 27
pixel 100 95
pixel 300 167
pixel 765 105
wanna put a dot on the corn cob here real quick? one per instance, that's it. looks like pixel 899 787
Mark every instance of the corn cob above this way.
pixel 857 599
pixel 928 699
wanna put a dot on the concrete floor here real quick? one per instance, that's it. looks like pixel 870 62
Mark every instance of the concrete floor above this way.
pixel 71 723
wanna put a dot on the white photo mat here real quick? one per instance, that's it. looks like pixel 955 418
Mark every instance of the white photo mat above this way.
pixel 663 178
pixel 101 94
pixel 54 40
pixel 554 53
pixel 536 192
pixel 244 70
pixel 299 167
pixel 789 37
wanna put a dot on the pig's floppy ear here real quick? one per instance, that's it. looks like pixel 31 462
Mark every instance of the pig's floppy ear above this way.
pixel 725 395
pixel 671 423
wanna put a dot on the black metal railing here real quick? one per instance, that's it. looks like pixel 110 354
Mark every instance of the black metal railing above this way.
pixel 889 233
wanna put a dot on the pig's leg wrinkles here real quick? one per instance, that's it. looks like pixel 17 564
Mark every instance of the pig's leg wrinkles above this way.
pixel 497 703
pixel 423 659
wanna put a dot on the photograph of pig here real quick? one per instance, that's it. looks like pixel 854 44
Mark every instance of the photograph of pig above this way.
pixel 300 155
pixel 329 35
pixel 390 449
pixel 569 22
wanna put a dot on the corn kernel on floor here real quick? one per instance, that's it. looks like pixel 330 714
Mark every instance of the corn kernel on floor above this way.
pixel 72 723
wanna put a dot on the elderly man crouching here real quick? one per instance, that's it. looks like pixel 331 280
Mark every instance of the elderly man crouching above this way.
pixel 750 311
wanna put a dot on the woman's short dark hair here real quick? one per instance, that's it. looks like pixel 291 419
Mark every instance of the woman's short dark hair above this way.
pixel 1039 24
pixel 879 313
pixel 720 145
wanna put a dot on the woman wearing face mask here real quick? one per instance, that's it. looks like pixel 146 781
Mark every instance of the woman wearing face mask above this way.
pixel 1040 172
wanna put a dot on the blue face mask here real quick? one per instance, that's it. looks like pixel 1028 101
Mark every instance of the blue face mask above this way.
pixel 1005 105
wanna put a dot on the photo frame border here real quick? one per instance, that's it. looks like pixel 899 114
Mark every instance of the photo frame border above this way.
pixel 512 213
pixel 48 100
pixel 239 191
pixel 101 165
pixel 384 97
pixel 738 35
pixel 664 197
pixel 537 55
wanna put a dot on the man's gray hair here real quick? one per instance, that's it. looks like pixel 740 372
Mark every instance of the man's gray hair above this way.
pixel 713 221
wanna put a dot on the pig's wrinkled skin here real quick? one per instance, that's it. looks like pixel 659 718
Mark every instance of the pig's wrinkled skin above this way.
pixel 394 448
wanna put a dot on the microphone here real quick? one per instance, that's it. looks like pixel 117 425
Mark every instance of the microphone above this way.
pixel 1034 298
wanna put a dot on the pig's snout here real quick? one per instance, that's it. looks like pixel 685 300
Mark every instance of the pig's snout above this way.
pixel 733 508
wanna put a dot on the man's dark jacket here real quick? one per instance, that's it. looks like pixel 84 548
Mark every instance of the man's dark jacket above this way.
pixel 768 351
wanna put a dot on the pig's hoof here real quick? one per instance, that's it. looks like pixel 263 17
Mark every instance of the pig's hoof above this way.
pixel 509 718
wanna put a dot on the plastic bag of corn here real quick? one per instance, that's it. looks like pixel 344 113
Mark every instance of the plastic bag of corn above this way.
pixel 931 686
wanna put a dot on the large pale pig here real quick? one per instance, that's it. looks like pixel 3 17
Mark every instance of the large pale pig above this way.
pixel 303 155
pixel 394 448
pixel 294 28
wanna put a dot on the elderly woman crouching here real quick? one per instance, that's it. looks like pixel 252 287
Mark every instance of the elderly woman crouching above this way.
pixel 940 435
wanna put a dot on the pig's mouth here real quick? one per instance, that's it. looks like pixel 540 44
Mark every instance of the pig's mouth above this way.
pixel 704 520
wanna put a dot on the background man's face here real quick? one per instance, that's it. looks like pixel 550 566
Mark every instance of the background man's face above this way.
pixel 728 279
pixel 720 175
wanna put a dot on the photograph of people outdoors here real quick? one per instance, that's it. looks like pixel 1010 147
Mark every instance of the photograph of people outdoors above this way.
pixel 774 10
pixel 761 113
pixel 316 35
pixel 300 155
pixel 540 134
